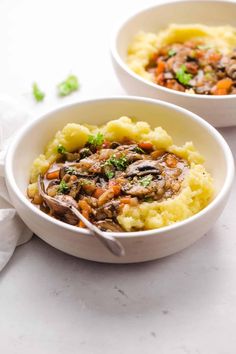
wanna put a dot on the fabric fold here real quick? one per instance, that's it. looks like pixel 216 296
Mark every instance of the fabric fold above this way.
pixel 13 231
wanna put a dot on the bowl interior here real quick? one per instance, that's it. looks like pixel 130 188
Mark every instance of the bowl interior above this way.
pixel 212 13
pixel 180 124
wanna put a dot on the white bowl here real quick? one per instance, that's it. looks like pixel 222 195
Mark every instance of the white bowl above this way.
pixel 217 110
pixel 140 246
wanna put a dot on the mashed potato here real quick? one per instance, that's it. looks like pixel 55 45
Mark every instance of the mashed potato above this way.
pixel 196 190
pixel 145 44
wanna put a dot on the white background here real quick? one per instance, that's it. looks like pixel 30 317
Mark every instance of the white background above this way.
pixel 52 303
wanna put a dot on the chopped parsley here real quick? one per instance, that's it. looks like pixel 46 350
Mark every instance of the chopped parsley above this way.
pixel 68 86
pixel 171 53
pixel 70 170
pixel 63 187
pixel 139 150
pixel 96 140
pixel 110 174
pixel 183 76
pixel 38 94
pixel 145 181
pixel 61 149
pixel 119 163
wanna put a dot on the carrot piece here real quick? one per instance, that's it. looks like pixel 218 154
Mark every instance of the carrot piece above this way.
pixel 160 67
pixel 214 57
pixel 98 192
pixel 116 188
pixel 106 144
pixel 81 224
pixel 224 84
pixel 199 54
pixel 220 91
pixel 145 145
pixel 85 210
pixel 157 153
pixel 125 200
pixel 53 174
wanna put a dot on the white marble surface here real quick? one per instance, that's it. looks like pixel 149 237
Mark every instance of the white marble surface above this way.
pixel 53 303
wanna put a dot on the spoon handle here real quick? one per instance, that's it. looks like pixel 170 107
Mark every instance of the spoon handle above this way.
pixel 109 241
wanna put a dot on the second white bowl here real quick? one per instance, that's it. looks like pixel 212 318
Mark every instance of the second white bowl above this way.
pixel 218 110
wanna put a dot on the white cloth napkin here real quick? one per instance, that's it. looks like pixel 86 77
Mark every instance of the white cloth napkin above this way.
pixel 13 231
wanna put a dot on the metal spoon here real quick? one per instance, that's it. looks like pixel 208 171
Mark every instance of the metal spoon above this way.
pixel 67 211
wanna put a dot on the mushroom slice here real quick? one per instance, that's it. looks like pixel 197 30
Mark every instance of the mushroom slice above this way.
pixel 108 225
pixel 59 205
pixel 143 167
pixel 231 69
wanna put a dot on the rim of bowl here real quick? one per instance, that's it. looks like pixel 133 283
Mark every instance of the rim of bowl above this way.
pixel 125 67
pixel 211 130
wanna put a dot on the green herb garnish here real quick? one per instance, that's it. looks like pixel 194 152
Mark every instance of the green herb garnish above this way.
pixel 171 53
pixel 96 140
pixel 63 187
pixel 70 170
pixel 68 86
pixel 145 181
pixel 38 94
pixel 61 149
pixel 120 163
pixel 139 150
pixel 109 174
pixel 183 76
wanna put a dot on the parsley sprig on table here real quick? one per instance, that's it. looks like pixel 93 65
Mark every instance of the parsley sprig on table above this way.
pixel 38 94
pixel 68 86
pixel 182 75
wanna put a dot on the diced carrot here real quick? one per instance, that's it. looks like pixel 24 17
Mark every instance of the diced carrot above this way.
pixel 85 210
pixel 213 57
pixel 81 224
pixel 115 187
pixel 199 54
pixel 220 91
pixel 157 153
pixel 160 79
pixel 160 67
pixel 224 84
pixel 145 145
pixel 98 192
pixel 84 206
pixel 53 174
pixel 125 200
pixel 106 144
